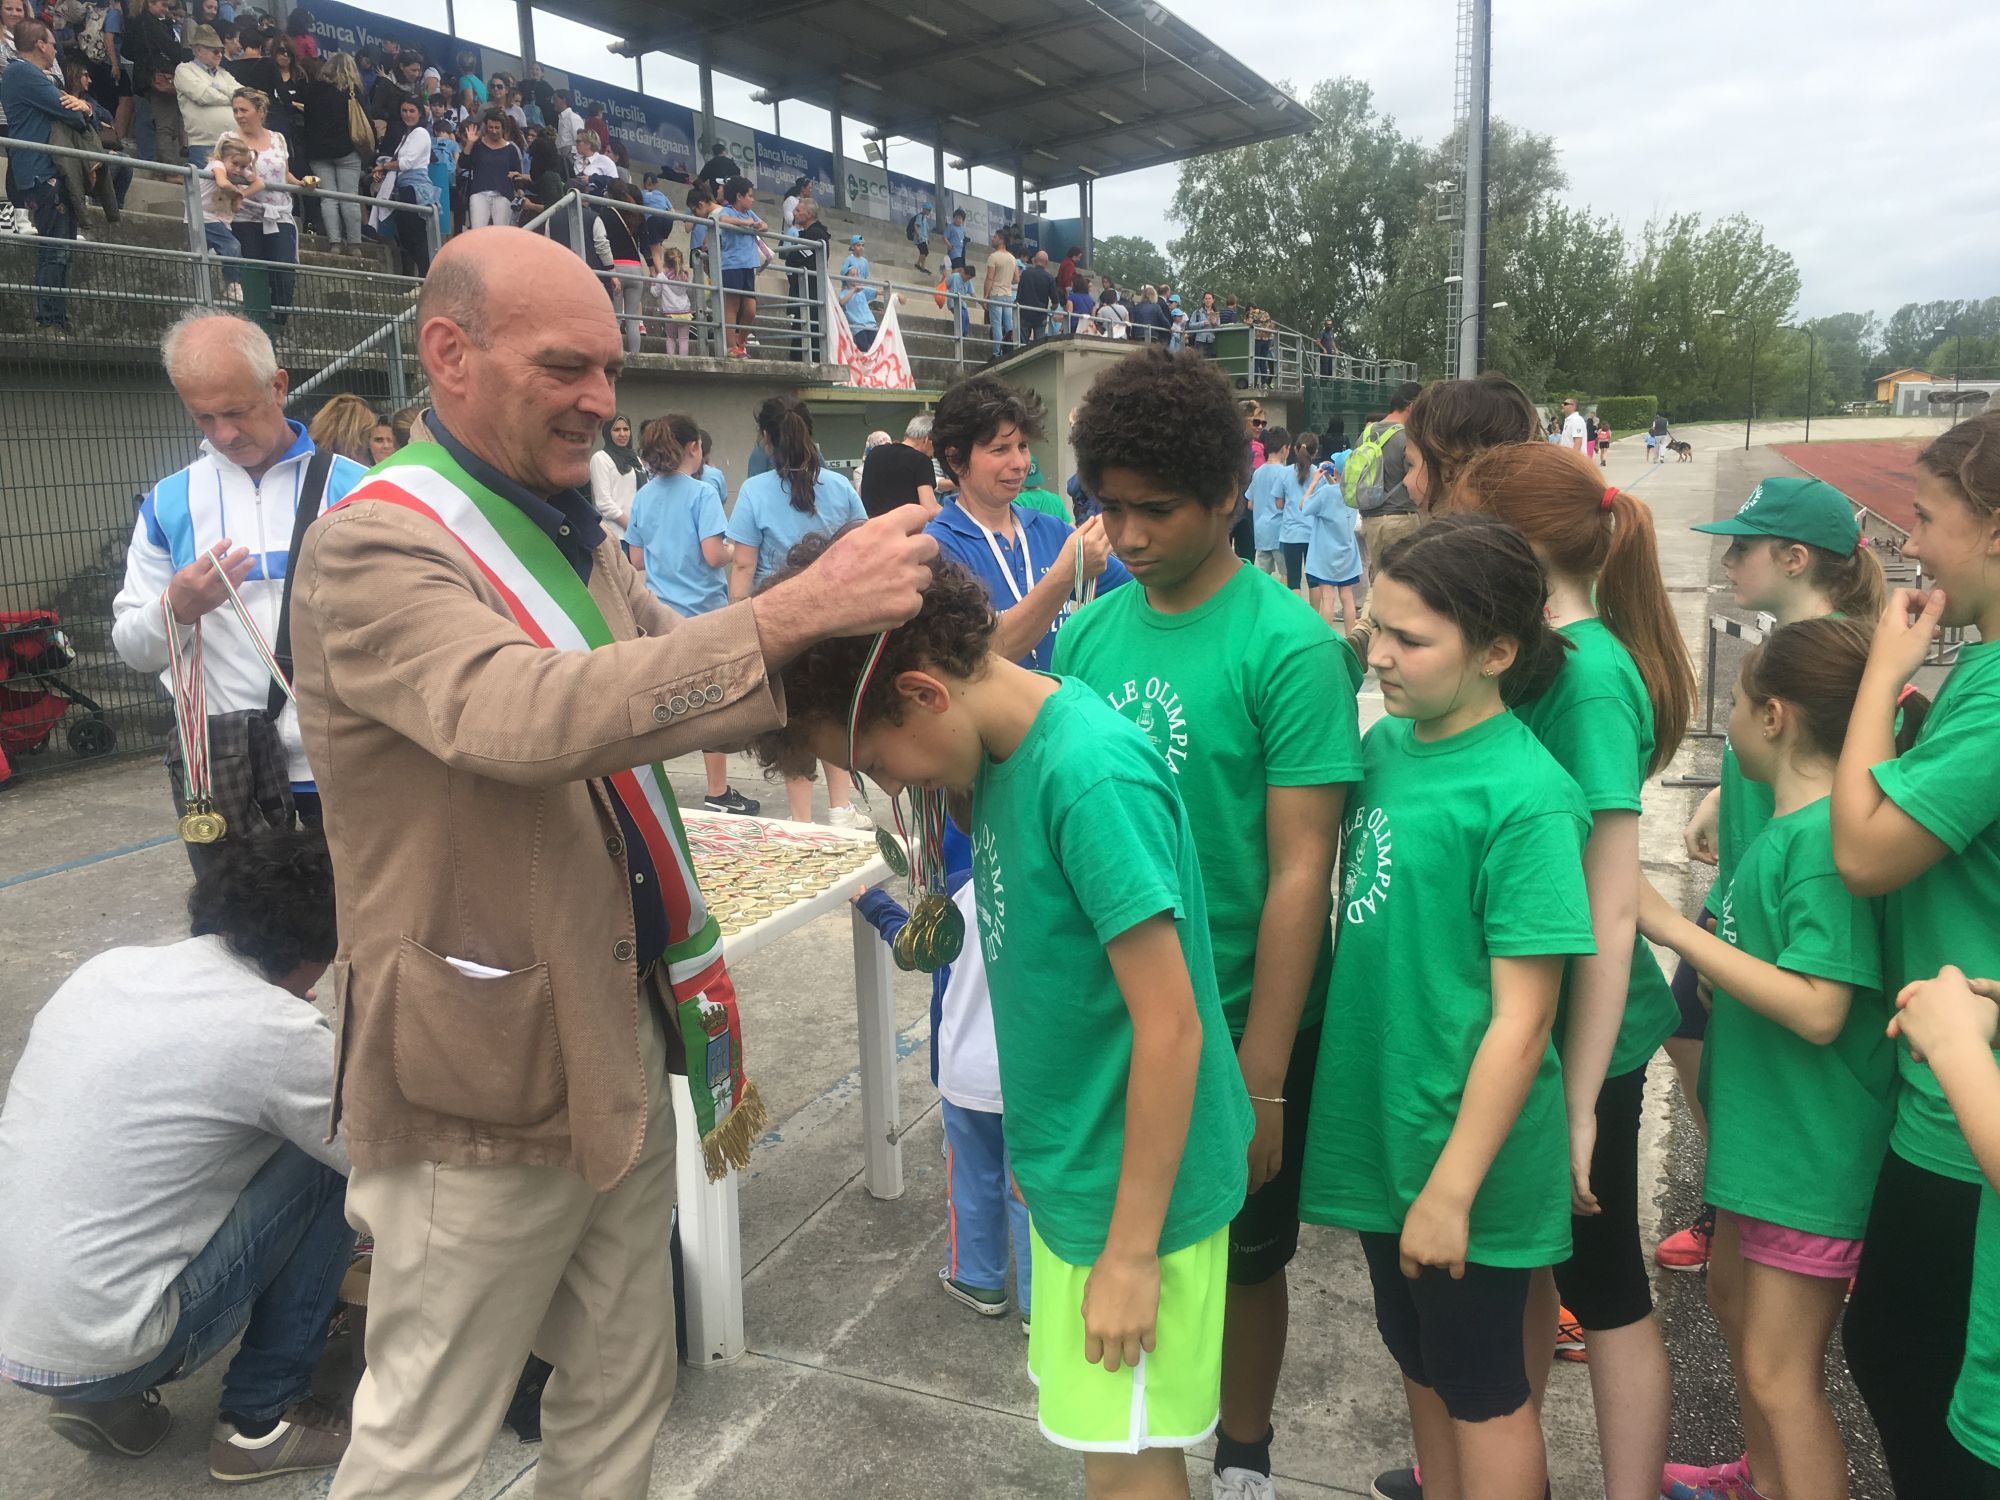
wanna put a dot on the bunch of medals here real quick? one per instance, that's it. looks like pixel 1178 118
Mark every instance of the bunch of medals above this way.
pixel 935 932
pixel 750 871
pixel 201 823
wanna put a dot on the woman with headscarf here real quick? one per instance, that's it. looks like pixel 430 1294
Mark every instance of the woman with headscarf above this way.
pixel 615 475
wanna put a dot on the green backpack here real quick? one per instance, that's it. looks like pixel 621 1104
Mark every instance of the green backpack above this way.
pixel 1361 480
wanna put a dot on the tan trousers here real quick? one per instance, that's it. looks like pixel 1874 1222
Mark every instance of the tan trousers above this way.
pixel 476 1266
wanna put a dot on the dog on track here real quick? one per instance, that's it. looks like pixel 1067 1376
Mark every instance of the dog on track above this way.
pixel 1683 452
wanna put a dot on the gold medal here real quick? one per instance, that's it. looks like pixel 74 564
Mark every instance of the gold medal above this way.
pixel 201 825
pixel 947 934
pixel 902 952
pixel 892 853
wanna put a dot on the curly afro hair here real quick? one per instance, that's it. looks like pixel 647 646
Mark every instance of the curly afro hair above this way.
pixel 973 410
pixel 951 634
pixel 1169 417
pixel 268 894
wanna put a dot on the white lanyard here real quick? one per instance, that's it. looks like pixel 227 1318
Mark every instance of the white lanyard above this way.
pixel 1027 557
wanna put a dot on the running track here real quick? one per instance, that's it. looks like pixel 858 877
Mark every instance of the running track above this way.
pixel 1881 475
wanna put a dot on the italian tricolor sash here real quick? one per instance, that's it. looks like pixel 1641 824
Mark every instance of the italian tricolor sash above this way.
pixel 554 608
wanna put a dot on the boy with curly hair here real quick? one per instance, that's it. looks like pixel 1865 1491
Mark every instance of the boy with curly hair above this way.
pixel 1248 698
pixel 1125 1115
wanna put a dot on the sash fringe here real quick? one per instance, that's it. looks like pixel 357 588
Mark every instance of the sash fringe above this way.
pixel 728 1145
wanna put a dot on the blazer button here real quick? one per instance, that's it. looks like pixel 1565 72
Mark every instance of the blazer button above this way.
pixel 623 949
pixel 615 847
pixel 678 704
pixel 712 693
pixel 661 713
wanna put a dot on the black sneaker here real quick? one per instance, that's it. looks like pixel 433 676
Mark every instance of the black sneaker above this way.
pixel 131 1426
pixel 1397 1484
pixel 732 801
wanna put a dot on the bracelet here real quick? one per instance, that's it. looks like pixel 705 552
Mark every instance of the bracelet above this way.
pixel 1261 1099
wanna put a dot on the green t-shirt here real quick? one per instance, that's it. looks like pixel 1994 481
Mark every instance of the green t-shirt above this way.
pixel 1244 692
pixel 1796 1131
pixel 1975 1401
pixel 1597 722
pixel 1457 852
pixel 1050 503
pixel 1077 837
pixel 1949 781
pixel 1746 808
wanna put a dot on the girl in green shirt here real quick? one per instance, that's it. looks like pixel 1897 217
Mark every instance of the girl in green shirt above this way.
pixel 1795 552
pixel 1437 1131
pixel 1798 1075
pixel 1923 830
pixel 1613 718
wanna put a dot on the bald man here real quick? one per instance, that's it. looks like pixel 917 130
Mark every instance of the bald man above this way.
pixel 486 691
pixel 1038 297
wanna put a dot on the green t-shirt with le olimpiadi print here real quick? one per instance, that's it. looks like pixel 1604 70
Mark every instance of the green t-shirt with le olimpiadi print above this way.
pixel 1949 781
pixel 1796 1130
pixel 1744 809
pixel 1244 692
pixel 1597 722
pixel 1456 852
pixel 1078 837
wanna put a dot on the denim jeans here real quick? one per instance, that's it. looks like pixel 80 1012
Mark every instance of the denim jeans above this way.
pixel 222 240
pixel 271 1273
pixel 198 155
pixel 343 220
pixel 1000 315
pixel 279 244
pixel 53 220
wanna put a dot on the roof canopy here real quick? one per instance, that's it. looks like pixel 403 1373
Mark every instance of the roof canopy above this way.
pixel 1059 91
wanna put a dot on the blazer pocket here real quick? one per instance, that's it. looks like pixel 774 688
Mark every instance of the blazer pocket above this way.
pixel 480 1049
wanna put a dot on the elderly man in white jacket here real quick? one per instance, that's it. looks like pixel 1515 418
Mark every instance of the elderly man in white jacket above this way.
pixel 237 501
pixel 204 88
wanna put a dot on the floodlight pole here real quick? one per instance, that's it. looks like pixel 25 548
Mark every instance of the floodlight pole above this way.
pixel 940 216
pixel 707 143
pixel 1473 204
pixel 524 19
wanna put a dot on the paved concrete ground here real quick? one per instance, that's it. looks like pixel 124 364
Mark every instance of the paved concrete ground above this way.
pixel 862 1379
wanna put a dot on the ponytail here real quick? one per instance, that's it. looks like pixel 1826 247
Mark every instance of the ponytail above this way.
pixel 787 426
pixel 664 442
pixel 1584 530
pixel 1853 585
pixel 1305 448
pixel 1481 574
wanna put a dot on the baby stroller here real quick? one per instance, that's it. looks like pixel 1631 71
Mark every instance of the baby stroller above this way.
pixel 34 650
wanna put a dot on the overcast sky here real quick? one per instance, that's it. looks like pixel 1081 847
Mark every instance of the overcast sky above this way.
pixel 1863 135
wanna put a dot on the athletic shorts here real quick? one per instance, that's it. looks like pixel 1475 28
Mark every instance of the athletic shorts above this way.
pixel 1315 581
pixel 1694 1015
pixel 740 279
pixel 1264 1236
pixel 1795 1250
pixel 1461 1339
pixel 1604 1281
pixel 1172 1397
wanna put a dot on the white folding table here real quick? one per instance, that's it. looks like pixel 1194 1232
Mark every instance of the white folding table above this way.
pixel 711 1238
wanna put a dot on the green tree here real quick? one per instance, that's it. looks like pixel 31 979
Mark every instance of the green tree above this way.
pixel 1129 260
pixel 1302 226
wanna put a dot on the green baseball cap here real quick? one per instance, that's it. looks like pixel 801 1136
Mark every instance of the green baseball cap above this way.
pixel 1795 510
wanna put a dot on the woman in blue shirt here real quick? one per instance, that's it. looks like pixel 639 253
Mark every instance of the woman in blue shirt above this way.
pixel 774 511
pixel 676 533
pixel 739 225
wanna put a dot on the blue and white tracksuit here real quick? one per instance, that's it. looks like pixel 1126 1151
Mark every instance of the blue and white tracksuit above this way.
pixel 186 514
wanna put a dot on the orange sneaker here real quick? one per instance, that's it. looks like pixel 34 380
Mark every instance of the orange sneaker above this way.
pixel 1569 1337
pixel 1688 1250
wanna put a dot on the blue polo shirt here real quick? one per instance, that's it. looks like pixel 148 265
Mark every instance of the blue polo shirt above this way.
pixel 1038 538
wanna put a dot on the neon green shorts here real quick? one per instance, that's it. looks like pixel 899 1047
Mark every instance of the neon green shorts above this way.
pixel 1170 1398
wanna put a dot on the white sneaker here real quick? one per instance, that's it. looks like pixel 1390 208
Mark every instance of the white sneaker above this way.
pixel 850 817
pixel 1241 1484
pixel 232 292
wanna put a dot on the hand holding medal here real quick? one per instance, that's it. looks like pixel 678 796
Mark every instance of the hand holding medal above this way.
pixel 201 823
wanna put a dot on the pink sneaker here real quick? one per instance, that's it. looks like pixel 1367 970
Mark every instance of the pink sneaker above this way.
pixel 1730 1481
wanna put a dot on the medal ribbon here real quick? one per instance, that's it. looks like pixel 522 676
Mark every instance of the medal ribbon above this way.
pixel 184 671
pixel 553 608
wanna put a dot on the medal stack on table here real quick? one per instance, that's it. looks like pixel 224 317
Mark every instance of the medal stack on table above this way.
pixel 764 879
